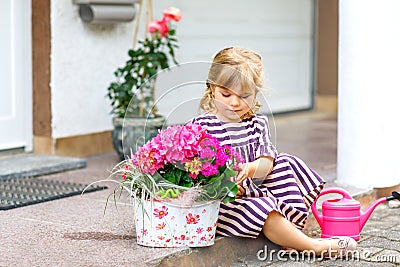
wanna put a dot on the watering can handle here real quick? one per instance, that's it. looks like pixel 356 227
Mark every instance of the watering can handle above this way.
pixel 331 190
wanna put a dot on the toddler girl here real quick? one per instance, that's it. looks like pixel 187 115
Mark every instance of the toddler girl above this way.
pixel 275 190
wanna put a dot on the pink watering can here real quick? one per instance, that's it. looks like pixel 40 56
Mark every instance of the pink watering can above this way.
pixel 343 216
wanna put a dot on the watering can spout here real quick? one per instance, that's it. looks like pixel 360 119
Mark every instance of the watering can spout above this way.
pixel 368 211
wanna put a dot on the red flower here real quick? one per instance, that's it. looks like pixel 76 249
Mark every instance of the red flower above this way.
pixel 192 175
pixel 160 226
pixel 124 173
pixel 182 237
pixel 158 25
pixel 209 229
pixel 161 213
pixel 172 13
pixel 190 219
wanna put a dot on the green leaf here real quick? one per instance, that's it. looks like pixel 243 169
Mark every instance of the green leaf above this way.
pixel 170 177
pixel 187 184
pixel 149 56
pixel 231 191
pixel 186 178
pixel 178 175
pixel 230 172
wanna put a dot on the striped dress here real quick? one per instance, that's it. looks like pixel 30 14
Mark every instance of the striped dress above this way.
pixel 290 188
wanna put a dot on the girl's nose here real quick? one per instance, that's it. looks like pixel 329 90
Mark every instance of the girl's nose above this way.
pixel 235 101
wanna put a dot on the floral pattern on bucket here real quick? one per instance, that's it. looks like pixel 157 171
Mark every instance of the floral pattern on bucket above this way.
pixel 176 226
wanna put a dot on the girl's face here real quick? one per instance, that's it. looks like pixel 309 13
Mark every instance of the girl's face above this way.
pixel 232 103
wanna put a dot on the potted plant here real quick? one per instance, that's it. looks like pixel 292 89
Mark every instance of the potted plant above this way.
pixel 132 93
pixel 177 180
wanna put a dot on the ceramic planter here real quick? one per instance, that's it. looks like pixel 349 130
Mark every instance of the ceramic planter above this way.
pixel 130 133
pixel 162 224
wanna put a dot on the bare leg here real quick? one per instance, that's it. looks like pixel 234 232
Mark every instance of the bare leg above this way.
pixel 282 232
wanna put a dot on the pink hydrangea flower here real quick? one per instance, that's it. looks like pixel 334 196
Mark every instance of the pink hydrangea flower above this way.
pixel 222 158
pixel 187 148
pixel 209 169
pixel 207 153
pixel 191 136
pixel 169 148
pixel 148 158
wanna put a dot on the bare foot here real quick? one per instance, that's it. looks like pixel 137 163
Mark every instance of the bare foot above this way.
pixel 337 247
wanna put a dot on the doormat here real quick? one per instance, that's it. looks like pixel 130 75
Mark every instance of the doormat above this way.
pixel 18 192
pixel 31 165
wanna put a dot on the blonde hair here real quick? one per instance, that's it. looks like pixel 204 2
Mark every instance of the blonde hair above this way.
pixel 234 66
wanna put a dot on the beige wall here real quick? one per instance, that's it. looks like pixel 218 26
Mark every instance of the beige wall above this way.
pixel 45 141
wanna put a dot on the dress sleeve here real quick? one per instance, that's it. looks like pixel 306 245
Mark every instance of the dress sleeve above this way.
pixel 201 120
pixel 193 120
pixel 265 148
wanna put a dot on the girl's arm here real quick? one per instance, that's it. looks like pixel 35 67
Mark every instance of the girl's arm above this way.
pixel 259 168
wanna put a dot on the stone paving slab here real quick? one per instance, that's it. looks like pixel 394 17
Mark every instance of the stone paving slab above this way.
pixel 73 232
pixel 379 246
pixel 27 165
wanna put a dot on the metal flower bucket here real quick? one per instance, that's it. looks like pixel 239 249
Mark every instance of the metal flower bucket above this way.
pixel 162 224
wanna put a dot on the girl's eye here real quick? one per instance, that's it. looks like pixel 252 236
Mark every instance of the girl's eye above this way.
pixel 244 96
pixel 225 95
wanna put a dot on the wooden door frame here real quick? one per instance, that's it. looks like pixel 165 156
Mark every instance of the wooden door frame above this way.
pixel 41 51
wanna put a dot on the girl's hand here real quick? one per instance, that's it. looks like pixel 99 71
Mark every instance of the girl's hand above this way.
pixel 240 192
pixel 243 174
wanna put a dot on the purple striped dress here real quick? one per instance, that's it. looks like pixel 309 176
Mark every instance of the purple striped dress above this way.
pixel 290 188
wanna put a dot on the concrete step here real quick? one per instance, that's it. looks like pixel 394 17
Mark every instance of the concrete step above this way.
pixel 29 165
pixel 224 252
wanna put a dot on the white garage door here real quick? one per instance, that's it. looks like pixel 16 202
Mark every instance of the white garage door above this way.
pixel 15 75
pixel 281 31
